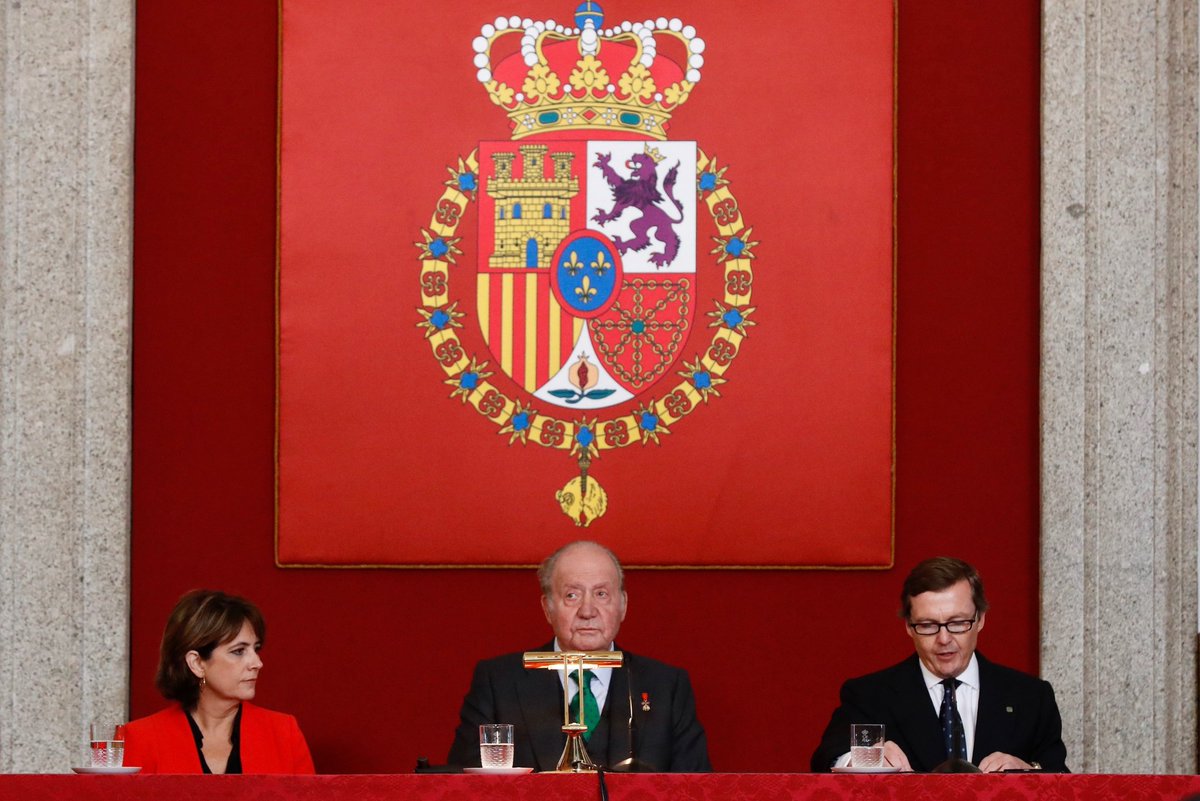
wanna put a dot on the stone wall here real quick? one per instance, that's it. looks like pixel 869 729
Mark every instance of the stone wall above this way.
pixel 66 217
pixel 1119 412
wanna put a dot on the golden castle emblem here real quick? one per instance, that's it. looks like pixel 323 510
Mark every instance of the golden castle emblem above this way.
pixel 531 215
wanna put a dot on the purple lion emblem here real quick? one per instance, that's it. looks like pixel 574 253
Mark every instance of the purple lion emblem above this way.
pixel 640 191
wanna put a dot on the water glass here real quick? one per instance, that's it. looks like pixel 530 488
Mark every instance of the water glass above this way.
pixel 866 745
pixel 496 745
pixel 107 744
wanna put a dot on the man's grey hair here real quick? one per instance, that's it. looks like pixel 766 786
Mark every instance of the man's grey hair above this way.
pixel 546 570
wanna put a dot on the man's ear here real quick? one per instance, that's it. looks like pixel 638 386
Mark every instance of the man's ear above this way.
pixel 546 607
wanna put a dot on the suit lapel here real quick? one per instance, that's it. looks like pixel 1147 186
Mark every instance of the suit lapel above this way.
pixel 616 715
pixel 252 746
pixel 597 746
pixel 175 746
pixel 994 719
pixel 922 732
pixel 540 696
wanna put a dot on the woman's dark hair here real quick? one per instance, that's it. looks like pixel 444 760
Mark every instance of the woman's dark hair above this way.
pixel 937 574
pixel 202 620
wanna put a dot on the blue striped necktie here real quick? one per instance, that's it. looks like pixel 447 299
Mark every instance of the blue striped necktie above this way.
pixel 952 726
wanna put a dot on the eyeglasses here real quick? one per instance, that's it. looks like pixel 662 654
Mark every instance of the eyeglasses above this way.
pixel 927 628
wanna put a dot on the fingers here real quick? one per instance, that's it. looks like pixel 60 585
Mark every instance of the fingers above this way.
pixel 998 760
pixel 894 756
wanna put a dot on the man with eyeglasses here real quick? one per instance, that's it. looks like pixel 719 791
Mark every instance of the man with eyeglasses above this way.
pixel 947 704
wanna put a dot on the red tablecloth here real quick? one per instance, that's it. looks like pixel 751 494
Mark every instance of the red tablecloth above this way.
pixel 660 787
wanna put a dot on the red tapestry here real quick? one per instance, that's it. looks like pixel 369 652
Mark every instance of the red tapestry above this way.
pixel 586 272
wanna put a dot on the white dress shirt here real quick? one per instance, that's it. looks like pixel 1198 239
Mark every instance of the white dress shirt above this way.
pixel 603 676
pixel 966 697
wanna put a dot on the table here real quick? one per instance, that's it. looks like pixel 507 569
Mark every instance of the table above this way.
pixel 646 787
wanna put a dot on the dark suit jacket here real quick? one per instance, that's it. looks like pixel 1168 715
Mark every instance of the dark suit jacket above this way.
pixel 271 742
pixel 667 738
pixel 1017 715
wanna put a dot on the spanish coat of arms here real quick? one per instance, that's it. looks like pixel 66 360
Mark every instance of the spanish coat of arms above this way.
pixel 589 224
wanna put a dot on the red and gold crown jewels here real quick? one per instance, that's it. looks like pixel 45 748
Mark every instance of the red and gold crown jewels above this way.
pixel 588 77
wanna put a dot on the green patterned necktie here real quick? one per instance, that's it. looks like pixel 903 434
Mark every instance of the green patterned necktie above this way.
pixel 591 710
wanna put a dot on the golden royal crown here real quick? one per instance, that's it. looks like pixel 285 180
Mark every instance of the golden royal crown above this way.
pixel 588 77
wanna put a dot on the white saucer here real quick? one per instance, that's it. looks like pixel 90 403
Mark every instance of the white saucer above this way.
pixel 880 769
pixel 107 771
pixel 498 771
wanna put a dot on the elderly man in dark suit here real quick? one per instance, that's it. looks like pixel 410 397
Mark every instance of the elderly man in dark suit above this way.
pixel 947 702
pixel 645 713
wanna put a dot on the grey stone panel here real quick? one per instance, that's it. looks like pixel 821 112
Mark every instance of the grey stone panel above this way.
pixel 1119 407
pixel 65 223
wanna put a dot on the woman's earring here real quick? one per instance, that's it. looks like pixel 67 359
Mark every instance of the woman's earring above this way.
pixel 203 682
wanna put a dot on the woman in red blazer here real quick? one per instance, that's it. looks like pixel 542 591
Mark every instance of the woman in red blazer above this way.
pixel 209 665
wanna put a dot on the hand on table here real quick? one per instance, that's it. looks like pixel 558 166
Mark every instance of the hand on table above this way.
pixel 998 761
pixel 894 756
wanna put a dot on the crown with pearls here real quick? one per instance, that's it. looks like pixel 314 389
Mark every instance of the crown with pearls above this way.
pixel 589 77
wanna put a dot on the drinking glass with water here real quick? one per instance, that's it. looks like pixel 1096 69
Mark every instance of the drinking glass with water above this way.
pixel 107 745
pixel 866 745
pixel 496 745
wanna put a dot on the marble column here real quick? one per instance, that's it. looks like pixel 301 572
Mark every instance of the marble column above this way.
pixel 1119 398
pixel 66 71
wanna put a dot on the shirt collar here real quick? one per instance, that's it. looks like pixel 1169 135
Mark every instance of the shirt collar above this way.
pixel 602 675
pixel 969 677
